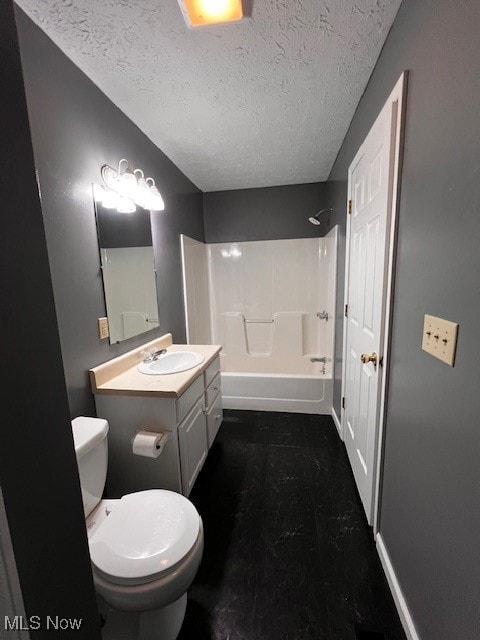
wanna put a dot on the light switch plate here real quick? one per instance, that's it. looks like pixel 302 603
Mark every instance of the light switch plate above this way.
pixel 103 330
pixel 440 338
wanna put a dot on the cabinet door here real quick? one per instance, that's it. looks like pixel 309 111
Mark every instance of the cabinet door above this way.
pixel 214 419
pixel 192 439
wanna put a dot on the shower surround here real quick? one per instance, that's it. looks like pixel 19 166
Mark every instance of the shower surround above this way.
pixel 270 304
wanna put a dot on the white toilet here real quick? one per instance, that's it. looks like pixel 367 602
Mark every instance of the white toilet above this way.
pixel 145 548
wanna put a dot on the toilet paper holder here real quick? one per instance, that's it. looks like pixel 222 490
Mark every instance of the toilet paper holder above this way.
pixel 158 440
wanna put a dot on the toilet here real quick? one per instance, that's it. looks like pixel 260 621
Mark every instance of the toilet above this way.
pixel 145 547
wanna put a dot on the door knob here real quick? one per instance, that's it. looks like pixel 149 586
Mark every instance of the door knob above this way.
pixel 369 358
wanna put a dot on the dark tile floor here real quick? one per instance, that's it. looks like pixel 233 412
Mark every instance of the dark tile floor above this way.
pixel 288 553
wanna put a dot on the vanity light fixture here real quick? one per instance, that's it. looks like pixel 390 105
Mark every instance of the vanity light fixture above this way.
pixel 200 13
pixel 125 189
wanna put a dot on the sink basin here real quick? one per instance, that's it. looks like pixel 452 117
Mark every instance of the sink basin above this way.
pixel 174 362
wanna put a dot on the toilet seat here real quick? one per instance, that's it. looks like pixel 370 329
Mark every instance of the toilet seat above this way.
pixel 145 536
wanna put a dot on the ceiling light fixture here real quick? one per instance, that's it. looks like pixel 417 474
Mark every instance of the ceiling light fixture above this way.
pixel 200 13
pixel 125 189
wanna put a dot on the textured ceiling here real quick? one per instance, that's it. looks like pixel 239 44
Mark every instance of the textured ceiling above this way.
pixel 263 102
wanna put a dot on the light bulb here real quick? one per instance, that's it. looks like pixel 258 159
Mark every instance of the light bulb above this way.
pixel 128 184
pixel 143 193
pixel 156 202
pixel 98 193
pixel 214 9
pixel 110 199
pixel 125 205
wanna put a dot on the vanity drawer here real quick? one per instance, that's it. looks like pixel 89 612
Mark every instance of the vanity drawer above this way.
pixel 214 419
pixel 212 370
pixel 186 401
pixel 213 390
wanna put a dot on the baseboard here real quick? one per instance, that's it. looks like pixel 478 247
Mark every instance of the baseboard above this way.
pixel 319 407
pixel 398 597
pixel 337 423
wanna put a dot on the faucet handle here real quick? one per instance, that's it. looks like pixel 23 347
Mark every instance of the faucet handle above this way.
pixel 147 354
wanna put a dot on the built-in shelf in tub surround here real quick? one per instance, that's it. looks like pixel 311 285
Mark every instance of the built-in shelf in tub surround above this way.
pixel 188 405
pixel 120 376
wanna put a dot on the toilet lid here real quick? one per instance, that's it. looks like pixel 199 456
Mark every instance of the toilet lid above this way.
pixel 145 534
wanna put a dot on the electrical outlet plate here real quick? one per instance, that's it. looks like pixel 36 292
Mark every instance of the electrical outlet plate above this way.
pixel 440 338
pixel 103 331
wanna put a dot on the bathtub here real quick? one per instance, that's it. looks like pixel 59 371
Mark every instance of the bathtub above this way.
pixel 271 305
pixel 294 393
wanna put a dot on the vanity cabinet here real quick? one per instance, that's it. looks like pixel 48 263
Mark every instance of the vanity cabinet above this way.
pixel 193 420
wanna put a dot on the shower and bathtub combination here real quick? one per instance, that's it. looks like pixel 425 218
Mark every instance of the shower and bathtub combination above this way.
pixel 271 305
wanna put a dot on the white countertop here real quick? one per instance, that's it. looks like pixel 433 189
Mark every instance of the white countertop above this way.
pixel 120 376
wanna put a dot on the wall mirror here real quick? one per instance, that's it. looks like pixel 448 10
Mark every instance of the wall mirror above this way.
pixel 128 270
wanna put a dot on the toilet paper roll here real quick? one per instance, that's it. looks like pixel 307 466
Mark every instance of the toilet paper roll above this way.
pixel 148 443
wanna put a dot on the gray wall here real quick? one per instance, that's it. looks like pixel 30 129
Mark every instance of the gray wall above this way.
pixel 76 130
pixel 430 515
pixel 271 213
pixel 38 471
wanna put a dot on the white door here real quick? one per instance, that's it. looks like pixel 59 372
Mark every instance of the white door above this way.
pixel 371 181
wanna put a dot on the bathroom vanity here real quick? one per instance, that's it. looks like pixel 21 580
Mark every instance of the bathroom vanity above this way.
pixel 188 405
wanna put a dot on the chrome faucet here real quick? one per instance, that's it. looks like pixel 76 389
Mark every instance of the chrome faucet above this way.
pixel 150 356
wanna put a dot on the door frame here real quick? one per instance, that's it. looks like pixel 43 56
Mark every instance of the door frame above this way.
pixel 9 577
pixel 396 102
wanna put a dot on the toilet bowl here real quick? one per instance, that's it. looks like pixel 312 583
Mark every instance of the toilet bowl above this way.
pixel 145 547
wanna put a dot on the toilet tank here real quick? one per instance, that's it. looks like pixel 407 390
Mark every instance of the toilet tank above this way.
pixel 90 438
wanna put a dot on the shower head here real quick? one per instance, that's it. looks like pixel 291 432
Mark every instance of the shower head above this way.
pixel 316 218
